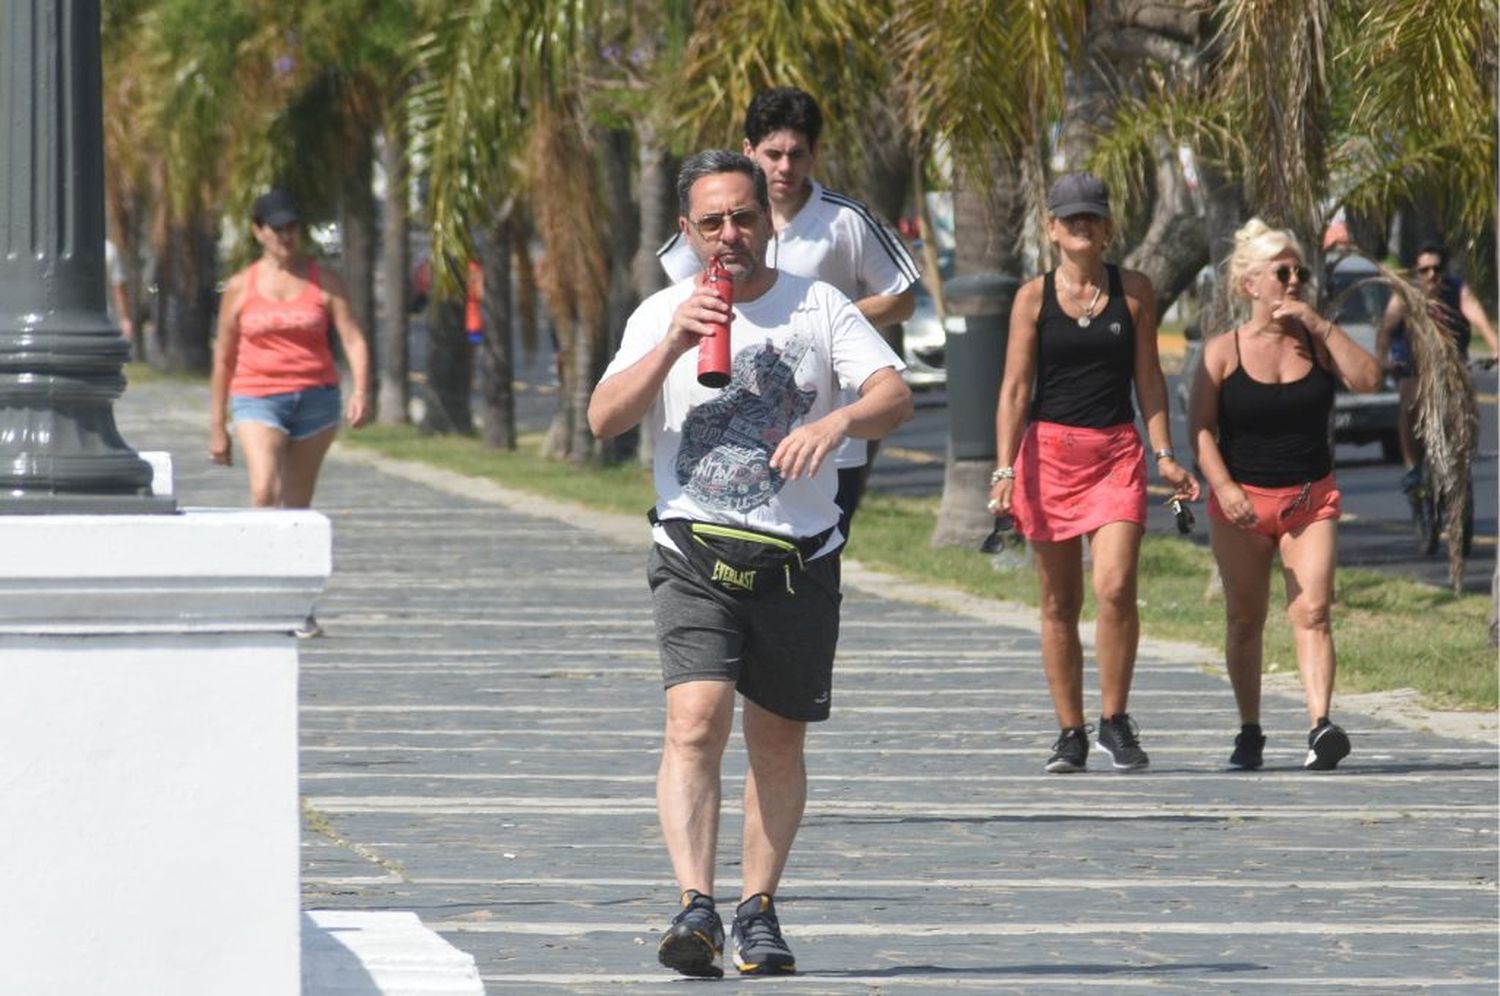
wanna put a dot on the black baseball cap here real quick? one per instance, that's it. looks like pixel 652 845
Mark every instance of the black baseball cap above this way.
pixel 275 207
pixel 1078 193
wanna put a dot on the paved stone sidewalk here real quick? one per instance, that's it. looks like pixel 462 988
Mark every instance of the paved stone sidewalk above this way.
pixel 480 730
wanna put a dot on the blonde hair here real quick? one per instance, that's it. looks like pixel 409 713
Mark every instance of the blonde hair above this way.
pixel 1255 245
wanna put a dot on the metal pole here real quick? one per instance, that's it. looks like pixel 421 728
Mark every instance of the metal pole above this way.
pixel 60 356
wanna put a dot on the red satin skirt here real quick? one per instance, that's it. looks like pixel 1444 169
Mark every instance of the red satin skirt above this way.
pixel 1071 480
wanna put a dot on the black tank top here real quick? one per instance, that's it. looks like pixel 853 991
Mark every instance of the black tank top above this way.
pixel 1084 373
pixel 1447 310
pixel 1276 435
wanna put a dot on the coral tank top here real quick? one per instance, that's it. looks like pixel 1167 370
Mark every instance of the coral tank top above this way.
pixel 283 345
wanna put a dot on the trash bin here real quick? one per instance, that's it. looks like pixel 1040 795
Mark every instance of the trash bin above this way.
pixel 976 331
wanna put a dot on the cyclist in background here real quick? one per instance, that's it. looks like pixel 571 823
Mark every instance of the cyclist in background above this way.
pixel 1455 308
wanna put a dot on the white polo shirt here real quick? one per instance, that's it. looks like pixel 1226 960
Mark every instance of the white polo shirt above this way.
pixel 837 240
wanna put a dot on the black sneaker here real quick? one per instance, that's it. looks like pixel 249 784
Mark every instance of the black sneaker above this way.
pixel 694 944
pixel 1327 745
pixel 756 939
pixel 1119 737
pixel 1248 748
pixel 1071 752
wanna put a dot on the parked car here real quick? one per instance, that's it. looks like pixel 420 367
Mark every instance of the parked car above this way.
pixel 923 341
pixel 1356 306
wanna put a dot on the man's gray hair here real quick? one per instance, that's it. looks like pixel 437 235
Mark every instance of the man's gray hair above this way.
pixel 711 161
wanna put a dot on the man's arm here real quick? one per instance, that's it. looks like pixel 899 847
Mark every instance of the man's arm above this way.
pixel 622 399
pixel 1395 312
pixel 1478 320
pixel 888 309
pixel 884 403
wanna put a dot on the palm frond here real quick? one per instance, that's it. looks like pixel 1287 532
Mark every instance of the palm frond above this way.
pixel 985 74
pixel 831 49
pixel 1453 171
pixel 1273 73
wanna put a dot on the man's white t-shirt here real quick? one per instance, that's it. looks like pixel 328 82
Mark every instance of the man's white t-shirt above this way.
pixel 835 239
pixel 793 349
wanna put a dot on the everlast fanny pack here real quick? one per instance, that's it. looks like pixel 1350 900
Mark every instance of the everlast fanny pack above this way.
pixel 742 562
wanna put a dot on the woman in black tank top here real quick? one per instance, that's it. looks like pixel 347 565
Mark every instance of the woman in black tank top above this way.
pixel 1259 424
pixel 1085 334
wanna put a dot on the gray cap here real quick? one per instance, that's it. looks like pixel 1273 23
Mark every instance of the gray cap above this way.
pixel 1078 193
pixel 275 207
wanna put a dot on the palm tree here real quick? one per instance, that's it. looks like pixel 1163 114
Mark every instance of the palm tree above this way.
pixel 987 79
pixel 501 111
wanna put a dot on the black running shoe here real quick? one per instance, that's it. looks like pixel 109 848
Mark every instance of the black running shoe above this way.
pixel 756 939
pixel 1327 745
pixel 1119 737
pixel 1248 748
pixel 1071 752
pixel 694 944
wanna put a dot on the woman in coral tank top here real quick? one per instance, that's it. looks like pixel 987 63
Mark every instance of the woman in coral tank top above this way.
pixel 273 362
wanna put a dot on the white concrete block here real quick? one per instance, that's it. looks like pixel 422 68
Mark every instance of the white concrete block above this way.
pixel 362 953
pixel 161 471
pixel 150 823
pixel 205 570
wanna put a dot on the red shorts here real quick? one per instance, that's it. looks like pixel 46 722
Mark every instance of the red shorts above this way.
pixel 1070 480
pixel 1279 511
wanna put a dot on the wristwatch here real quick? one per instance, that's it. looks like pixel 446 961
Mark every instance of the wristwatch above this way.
pixel 1165 454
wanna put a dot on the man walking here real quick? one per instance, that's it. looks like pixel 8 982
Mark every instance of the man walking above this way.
pixel 744 570
pixel 819 234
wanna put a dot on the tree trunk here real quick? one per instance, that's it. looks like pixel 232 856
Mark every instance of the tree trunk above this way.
pixel 394 394
pixel 450 368
pixel 987 214
pixel 658 221
pixel 586 369
pixel 497 350
pixel 357 219
pixel 186 274
pixel 1176 243
pixel 616 158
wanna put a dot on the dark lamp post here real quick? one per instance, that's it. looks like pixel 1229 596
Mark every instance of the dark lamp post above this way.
pixel 60 356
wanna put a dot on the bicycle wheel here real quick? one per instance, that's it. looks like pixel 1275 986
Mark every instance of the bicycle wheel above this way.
pixel 1468 535
pixel 1432 517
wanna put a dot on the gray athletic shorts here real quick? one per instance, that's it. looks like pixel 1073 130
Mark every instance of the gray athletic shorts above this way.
pixel 777 649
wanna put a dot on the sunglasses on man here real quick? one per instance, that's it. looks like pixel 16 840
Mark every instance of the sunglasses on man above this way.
pixel 711 225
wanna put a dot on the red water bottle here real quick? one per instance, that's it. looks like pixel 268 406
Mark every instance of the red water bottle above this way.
pixel 713 350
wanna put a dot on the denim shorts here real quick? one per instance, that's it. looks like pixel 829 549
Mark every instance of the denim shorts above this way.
pixel 299 414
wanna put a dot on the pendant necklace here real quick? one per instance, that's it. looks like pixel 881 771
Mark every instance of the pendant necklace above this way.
pixel 1088 309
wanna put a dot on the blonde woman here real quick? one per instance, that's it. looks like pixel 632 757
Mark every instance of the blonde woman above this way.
pixel 1259 425
pixel 1085 335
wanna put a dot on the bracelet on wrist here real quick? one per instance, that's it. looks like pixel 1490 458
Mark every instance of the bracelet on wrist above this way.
pixel 1002 474
pixel 1164 454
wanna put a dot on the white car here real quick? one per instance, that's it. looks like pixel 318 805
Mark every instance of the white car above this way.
pixel 923 340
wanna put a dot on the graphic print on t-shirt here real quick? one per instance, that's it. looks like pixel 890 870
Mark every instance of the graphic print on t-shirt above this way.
pixel 725 457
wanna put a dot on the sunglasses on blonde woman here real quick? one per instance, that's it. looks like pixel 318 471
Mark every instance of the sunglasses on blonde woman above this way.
pixel 1283 274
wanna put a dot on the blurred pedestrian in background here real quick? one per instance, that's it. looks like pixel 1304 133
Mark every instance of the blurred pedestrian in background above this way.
pixel 274 366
